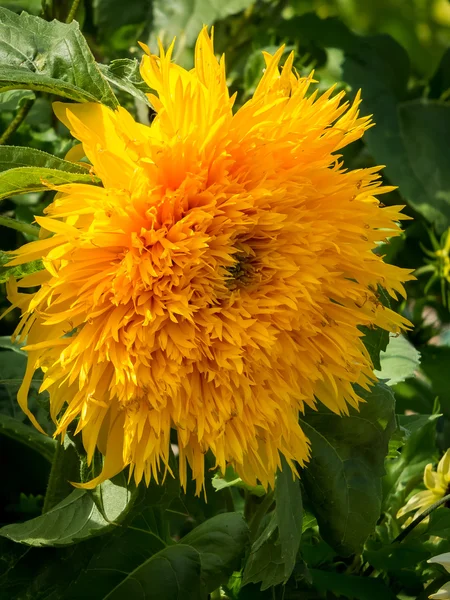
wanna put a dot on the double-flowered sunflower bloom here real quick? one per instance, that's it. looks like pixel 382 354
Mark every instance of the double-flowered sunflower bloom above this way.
pixel 215 284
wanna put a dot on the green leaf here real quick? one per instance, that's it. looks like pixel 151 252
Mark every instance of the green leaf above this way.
pixel 18 156
pixel 273 555
pixel 221 543
pixel 27 435
pixel 402 472
pixel 124 74
pixel 36 179
pixel 172 573
pixel 110 16
pixel 231 479
pixel 289 515
pixel 49 57
pixel 439 523
pixel 185 18
pixel 351 587
pixel 425 129
pixel 74 519
pixel 399 361
pixel 440 82
pixel 343 478
pixel 19 271
pixel 434 364
pixel 376 341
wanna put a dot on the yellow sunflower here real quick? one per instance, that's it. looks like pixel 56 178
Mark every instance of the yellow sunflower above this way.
pixel 216 282
pixel 437 484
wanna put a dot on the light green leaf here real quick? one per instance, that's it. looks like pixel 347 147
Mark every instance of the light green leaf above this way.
pixel 25 434
pixel 343 477
pixel 221 543
pixel 18 156
pixel 399 361
pixel 18 271
pixel 49 57
pixel 74 519
pixel 124 74
pixel 172 573
pixel 35 179
pixel 185 18
pixel 231 479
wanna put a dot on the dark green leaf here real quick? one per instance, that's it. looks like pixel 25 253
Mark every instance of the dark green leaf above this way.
pixel 109 14
pixel 419 450
pixel 376 341
pixel 171 574
pixel 289 516
pixel 343 478
pixel 425 130
pixel 74 519
pixel 439 523
pixel 351 587
pixel 221 543
pixel 434 363
pixel 273 554
pixel 49 57
pixel 27 435
pixel 440 82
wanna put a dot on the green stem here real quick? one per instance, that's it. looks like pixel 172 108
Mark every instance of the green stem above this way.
pixel 73 11
pixel 17 121
pixel 64 469
pixel 215 595
pixel 19 226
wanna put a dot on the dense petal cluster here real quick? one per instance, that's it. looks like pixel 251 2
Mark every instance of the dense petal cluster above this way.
pixel 216 283
pixel 437 484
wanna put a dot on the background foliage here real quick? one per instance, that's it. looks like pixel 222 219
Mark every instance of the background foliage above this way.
pixel 333 534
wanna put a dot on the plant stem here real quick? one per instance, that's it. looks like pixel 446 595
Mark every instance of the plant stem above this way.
pixel 17 121
pixel 215 595
pixel 72 11
pixel 19 226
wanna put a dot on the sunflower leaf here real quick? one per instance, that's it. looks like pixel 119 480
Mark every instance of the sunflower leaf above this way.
pixel 171 573
pixel 19 270
pixel 12 157
pixel 273 554
pixel 25 434
pixel 36 179
pixel 74 519
pixel 399 361
pixel 343 478
pixel 221 543
pixel 49 57
pixel 123 73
